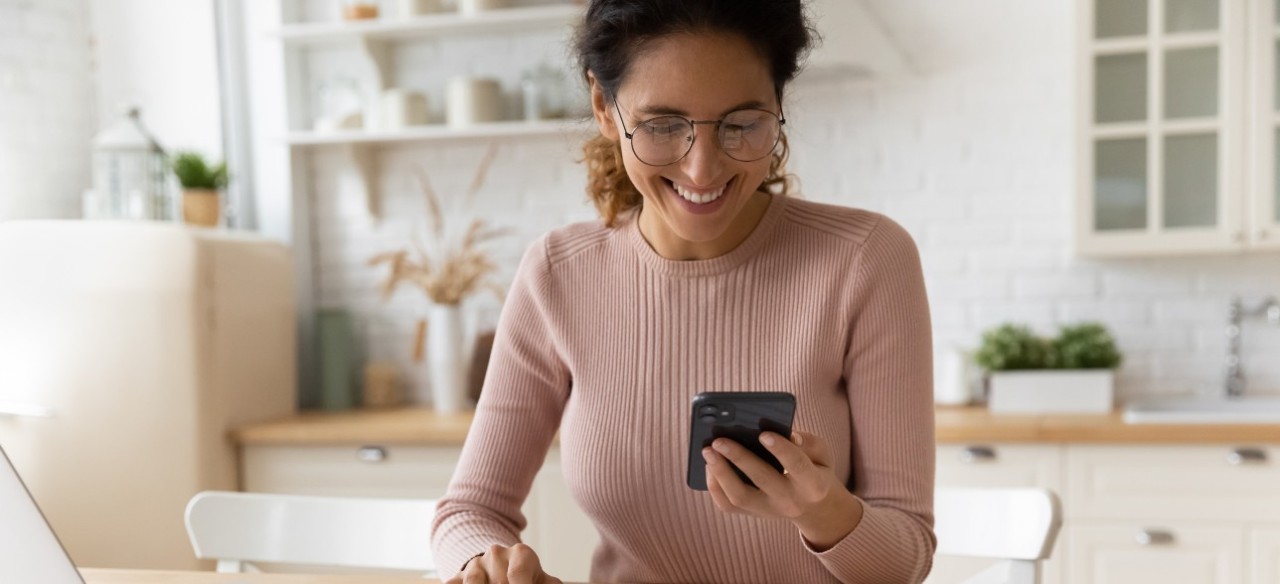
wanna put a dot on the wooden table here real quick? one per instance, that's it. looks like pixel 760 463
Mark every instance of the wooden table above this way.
pixel 105 576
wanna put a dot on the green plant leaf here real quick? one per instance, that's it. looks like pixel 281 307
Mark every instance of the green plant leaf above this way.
pixel 194 172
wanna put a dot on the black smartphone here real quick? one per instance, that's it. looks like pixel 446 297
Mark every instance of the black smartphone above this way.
pixel 741 417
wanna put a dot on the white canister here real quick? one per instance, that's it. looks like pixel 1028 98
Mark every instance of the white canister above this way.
pixel 953 376
pixel 473 7
pixel 400 108
pixel 412 8
pixel 473 100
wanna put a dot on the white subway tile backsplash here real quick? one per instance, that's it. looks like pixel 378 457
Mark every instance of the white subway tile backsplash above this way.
pixel 1066 286
pixel 1015 260
pixel 1114 313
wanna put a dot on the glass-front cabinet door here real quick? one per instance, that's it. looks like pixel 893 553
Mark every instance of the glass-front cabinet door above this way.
pixel 1161 109
pixel 1265 123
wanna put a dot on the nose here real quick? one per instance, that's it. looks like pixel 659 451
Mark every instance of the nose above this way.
pixel 705 160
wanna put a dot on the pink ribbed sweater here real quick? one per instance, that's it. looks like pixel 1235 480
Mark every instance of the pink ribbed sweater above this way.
pixel 606 341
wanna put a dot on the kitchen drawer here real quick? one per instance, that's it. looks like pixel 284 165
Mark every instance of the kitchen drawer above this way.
pixel 1000 465
pixel 1129 552
pixel 354 471
pixel 1210 483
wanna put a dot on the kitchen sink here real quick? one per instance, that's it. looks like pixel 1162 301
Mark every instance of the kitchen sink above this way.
pixel 1204 410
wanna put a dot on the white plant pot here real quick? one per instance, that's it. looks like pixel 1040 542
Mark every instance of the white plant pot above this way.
pixel 447 359
pixel 1088 391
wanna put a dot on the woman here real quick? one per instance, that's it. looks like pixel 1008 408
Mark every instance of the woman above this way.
pixel 704 276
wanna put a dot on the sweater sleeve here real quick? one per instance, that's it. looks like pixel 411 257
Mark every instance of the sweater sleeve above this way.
pixel 525 390
pixel 889 374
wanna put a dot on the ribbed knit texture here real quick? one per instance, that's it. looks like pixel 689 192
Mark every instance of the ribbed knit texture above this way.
pixel 606 341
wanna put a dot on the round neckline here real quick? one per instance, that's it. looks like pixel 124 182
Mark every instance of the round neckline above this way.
pixel 710 266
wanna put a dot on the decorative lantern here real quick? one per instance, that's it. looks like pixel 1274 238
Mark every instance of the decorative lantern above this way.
pixel 130 172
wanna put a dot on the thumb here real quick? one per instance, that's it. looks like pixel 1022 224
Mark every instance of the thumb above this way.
pixel 814 446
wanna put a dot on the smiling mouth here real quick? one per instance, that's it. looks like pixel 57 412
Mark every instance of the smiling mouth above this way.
pixel 699 198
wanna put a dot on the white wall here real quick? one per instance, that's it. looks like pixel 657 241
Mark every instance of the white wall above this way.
pixel 161 55
pixel 45 112
pixel 973 155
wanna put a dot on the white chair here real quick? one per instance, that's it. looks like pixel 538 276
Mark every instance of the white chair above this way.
pixel 237 529
pixel 1018 526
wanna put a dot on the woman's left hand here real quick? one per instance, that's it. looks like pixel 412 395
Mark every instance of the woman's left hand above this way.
pixel 807 493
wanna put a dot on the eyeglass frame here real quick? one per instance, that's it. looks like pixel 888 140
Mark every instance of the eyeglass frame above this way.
pixel 782 121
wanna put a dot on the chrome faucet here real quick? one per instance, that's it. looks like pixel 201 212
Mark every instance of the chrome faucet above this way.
pixel 1235 382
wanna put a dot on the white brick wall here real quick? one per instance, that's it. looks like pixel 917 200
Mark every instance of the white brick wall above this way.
pixel 973 156
pixel 45 113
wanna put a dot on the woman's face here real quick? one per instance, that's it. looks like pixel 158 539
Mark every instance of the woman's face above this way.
pixel 696 204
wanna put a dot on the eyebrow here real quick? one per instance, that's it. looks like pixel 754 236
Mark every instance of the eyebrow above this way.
pixel 662 110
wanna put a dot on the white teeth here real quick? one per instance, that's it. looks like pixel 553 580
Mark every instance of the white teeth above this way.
pixel 700 199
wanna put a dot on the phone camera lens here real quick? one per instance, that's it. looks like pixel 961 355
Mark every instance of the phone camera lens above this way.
pixel 708 418
pixel 708 410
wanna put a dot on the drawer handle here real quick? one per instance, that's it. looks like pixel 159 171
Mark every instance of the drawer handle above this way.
pixel 1243 456
pixel 1154 537
pixel 371 454
pixel 975 454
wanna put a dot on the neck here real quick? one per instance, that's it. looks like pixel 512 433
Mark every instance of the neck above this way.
pixel 671 246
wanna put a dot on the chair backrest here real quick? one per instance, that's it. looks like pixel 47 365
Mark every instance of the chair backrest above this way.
pixel 1016 525
pixel 238 529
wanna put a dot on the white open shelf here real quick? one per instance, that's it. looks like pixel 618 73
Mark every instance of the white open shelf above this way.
pixel 361 145
pixel 437 132
pixel 393 28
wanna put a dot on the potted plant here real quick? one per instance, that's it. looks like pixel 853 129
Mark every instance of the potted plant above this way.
pixel 1071 373
pixel 201 183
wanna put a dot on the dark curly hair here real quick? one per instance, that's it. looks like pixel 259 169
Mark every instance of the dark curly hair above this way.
pixel 614 31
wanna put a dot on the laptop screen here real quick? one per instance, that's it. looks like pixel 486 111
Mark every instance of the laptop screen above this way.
pixel 29 551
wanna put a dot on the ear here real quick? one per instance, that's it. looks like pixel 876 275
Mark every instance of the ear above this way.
pixel 602 108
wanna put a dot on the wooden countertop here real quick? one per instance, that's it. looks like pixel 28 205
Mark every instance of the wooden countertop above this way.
pixel 415 426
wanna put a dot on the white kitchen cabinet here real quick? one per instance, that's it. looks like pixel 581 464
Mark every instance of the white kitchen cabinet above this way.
pixel 1176 126
pixel 350 471
pixel 558 530
pixel 1264 555
pixel 1004 465
pixel 1264 190
pixel 997 465
pixel 1138 513
pixel 1201 483
pixel 1118 552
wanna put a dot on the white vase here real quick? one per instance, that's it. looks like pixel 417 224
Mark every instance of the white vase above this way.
pixel 447 365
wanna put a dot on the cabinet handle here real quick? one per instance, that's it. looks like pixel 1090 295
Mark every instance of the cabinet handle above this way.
pixel 975 454
pixel 1243 456
pixel 1154 537
pixel 371 454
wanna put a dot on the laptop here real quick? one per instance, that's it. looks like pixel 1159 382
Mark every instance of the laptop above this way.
pixel 29 550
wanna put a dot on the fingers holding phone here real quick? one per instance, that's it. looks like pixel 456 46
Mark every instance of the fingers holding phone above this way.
pixel 517 564
pixel 805 479
pixel 807 492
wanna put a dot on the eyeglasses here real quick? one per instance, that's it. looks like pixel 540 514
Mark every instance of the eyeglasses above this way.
pixel 746 135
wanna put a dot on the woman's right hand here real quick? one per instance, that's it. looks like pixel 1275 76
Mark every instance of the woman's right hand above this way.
pixel 517 564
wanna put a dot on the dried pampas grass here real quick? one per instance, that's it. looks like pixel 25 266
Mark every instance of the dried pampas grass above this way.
pixel 447 269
